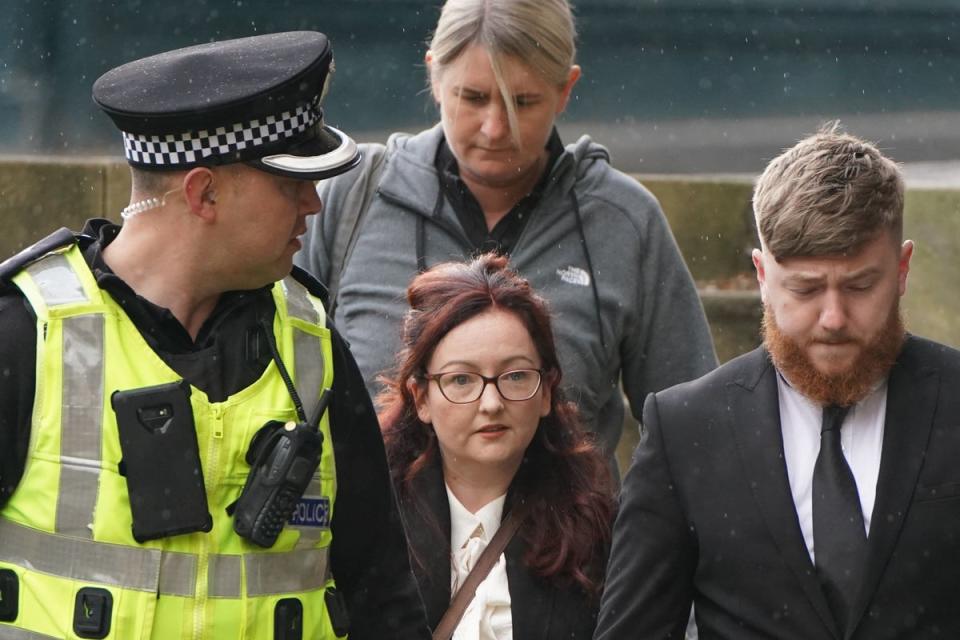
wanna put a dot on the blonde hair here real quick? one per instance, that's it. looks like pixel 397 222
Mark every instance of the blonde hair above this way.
pixel 539 33
pixel 827 195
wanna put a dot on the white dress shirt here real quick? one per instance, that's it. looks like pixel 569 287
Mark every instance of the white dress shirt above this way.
pixel 488 616
pixel 861 439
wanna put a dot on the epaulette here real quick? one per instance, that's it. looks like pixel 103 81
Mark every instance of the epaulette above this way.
pixel 314 286
pixel 62 237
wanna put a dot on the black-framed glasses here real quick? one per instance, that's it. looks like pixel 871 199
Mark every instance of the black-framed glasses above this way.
pixel 464 387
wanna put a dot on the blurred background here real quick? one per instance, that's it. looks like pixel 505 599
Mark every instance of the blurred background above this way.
pixel 670 86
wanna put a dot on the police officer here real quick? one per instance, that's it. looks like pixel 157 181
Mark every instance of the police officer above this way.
pixel 147 368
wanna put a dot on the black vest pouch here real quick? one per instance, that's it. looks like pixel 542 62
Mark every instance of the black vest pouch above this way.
pixel 92 613
pixel 9 595
pixel 161 461
pixel 288 620
pixel 337 610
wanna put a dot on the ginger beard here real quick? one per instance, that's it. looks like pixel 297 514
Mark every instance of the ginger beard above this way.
pixel 875 360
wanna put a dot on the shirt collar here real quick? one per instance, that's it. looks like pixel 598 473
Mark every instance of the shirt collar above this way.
pixel 785 386
pixel 463 523
pixel 507 231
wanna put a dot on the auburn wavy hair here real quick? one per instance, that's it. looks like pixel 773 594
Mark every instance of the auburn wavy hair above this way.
pixel 564 477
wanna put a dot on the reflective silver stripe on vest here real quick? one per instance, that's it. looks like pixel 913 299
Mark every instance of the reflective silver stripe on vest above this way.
pixel 178 574
pixel 155 571
pixel 83 338
pixel 298 301
pixel 76 559
pixel 309 368
pixel 56 280
pixel 294 571
pixel 308 355
pixel 307 350
pixel 82 396
pixel 12 633
pixel 224 577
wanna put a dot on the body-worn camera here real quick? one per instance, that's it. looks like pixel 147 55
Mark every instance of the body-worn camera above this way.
pixel 283 458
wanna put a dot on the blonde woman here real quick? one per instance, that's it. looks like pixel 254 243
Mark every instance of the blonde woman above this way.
pixel 493 175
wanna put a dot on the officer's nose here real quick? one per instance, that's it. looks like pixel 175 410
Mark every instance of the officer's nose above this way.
pixel 310 202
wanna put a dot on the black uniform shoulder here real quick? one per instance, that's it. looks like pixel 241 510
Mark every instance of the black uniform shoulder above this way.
pixel 18 362
pixel 15 314
pixel 314 286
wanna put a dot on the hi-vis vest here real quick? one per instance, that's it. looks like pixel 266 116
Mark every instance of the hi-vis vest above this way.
pixel 69 566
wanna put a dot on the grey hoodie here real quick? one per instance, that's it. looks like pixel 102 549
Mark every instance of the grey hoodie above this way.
pixel 650 328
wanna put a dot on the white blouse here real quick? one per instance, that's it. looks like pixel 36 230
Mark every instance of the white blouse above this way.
pixel 488 616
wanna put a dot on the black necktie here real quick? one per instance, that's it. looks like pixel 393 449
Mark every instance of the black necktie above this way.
pixel 839 540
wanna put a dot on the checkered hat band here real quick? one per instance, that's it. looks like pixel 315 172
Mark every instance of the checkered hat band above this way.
pixel 193 146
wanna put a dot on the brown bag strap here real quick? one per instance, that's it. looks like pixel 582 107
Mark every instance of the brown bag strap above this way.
pixel 488 558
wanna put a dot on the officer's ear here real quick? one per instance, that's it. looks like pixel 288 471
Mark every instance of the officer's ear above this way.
pixel 199 190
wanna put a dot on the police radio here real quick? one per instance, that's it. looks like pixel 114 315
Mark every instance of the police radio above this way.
pixel 283 458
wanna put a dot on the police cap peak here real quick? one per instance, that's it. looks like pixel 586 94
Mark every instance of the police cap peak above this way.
pixel 254 100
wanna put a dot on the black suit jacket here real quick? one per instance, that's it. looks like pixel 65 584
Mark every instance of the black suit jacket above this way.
pixel 540 609
pixel 707 514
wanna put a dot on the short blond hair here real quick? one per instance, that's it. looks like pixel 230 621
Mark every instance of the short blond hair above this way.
pixel 539 33
pixel 827 195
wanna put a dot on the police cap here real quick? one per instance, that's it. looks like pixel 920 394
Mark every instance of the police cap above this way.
pixel 255 100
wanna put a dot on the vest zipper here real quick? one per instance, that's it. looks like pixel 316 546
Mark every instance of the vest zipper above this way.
pixel 211 478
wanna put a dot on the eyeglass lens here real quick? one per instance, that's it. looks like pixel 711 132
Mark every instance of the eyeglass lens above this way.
pixel 462 387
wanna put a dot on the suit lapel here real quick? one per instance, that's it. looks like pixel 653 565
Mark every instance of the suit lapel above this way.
pixel 754 416
pixel 912 392
pixel 430 546
pixel 531 604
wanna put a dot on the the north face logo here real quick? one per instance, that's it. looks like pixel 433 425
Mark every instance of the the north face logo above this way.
pixel 574 275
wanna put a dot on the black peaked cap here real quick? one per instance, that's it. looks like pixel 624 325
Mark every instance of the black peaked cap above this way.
pixel 253 100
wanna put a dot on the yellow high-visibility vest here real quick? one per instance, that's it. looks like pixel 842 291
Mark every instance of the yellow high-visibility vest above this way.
pixel 66 530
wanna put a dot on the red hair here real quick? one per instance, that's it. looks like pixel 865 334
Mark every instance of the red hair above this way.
pixel 564 477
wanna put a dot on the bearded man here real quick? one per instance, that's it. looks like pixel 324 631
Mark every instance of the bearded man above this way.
pixel 809 489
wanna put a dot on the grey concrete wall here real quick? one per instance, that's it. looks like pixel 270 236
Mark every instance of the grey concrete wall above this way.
pixel 39 195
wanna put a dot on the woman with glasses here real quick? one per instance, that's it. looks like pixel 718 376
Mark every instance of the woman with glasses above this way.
pixel 476 426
